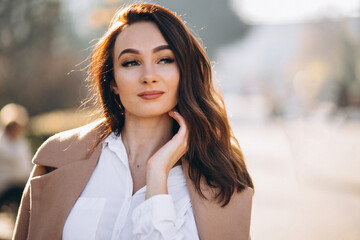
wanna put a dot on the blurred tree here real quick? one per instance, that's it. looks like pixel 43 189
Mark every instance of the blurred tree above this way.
pixel 341 50
pixel 35 56
pixel 329 58
pixel 347 78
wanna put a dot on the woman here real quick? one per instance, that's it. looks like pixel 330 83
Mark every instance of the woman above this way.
pixel 163 164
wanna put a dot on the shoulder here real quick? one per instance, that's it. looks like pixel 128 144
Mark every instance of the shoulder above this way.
pixel 68 146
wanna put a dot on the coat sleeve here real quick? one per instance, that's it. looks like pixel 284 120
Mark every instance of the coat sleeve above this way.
pixel 228 223
pixel 23 217
pixel 231 222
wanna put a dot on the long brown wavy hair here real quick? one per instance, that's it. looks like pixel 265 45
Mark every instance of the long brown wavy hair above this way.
pixel 213 153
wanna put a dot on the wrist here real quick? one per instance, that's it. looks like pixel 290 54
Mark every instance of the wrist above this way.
pixel 157 168
pixel 156 182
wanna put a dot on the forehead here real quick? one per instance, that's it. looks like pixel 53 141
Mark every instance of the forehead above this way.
pixel 140 36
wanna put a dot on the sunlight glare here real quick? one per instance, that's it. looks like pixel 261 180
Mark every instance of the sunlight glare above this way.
pixel 287 11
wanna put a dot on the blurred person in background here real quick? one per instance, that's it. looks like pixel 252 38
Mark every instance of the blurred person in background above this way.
pixel 15 155
pixel 163 156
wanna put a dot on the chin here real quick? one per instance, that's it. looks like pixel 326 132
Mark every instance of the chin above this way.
pixel 151 112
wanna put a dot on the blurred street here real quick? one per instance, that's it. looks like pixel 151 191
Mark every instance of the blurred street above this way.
pixel 306 176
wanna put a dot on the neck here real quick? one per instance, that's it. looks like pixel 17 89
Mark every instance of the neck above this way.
pixel 142 137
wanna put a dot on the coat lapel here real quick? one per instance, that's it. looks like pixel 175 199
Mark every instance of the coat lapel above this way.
pixel 54 194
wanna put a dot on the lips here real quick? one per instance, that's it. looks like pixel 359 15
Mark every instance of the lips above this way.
pixel 148 95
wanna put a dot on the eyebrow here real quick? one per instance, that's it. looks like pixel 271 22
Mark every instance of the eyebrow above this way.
pixel 132 50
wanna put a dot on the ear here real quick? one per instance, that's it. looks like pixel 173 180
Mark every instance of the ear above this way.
pixel 114 87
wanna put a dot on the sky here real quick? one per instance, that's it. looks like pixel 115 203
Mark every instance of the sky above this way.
pixel 290 11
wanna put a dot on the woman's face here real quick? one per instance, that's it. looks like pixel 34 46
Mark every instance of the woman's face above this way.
pixel 145 71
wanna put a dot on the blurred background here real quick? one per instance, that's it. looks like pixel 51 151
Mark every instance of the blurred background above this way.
pixel 289 71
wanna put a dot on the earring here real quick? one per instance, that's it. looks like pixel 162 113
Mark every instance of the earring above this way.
pixel 120 106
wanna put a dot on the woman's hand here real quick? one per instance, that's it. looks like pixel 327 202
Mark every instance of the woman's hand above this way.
pixel 160 164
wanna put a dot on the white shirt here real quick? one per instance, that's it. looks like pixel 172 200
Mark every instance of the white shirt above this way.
pixel 106 209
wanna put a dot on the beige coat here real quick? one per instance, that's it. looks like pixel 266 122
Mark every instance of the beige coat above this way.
pixel 62 170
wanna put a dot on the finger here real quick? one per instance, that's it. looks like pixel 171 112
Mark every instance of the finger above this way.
pixel 183 130
pixel 180 120
pixel 176 115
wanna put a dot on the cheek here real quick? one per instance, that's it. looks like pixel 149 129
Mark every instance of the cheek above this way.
pixel 173 88
pixel 124 83
pixel 173 81
pixel 176 88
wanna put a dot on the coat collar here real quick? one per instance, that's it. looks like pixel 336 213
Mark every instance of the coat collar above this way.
pixel 70 146
pixel 53 194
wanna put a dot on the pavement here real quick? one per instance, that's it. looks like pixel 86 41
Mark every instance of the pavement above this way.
pixel 306 174
pixel 307 178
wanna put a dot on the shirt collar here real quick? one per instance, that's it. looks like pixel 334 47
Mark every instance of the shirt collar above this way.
pixel 111 139
pixel 116 144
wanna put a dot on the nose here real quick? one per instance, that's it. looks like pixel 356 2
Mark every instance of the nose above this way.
pixel 149 75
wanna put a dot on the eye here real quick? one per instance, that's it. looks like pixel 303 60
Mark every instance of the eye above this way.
pixel 130 63
pixel 166 60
